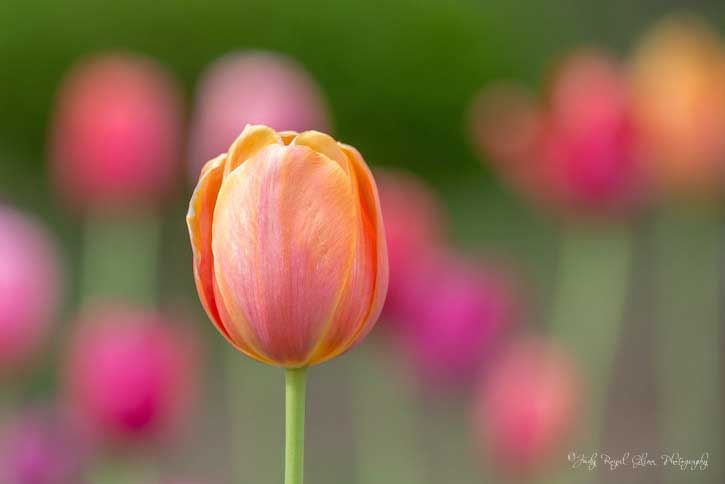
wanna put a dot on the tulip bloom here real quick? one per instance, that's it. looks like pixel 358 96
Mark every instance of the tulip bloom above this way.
pixel 505 124
pixel 591 137
pixel 116 132
pixel 289 249
pixel 462 310
pixel 252 88
pixel 29 287
pixel 130 375
pixel 576 154
pixel 38 447
pixel 679 77
pixel 527 406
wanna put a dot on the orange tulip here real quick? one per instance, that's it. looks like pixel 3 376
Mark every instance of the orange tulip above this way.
pixel 290 258
pixel 679 79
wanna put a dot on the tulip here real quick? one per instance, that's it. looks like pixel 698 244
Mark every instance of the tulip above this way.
pixel 462 310
pixel 590 136
pixel 290 259
pixel 414 230
pixel 116 132
pixel 130 375
pixel 527 406
pixel 252 88
pixel 289 248
pixel 576 155
pixel 678 76
pixel 505 121
pixel 37 447
pixel 29 287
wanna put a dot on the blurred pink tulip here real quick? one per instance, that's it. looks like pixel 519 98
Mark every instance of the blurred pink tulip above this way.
pixel 116 132
pixel 414 228
pixel 527 406
pixel 252 88
pixel 589 137
pixel 29 287
pixel 130 375
pixel 39 448
pixel 575 153
pixel 462 308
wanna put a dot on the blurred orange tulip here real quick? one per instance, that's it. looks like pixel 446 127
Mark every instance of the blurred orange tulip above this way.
pixel 679 83
pixel 290 258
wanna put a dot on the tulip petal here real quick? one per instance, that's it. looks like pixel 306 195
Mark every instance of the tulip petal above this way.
pixel 284 227
pixel 322 143
pixel 252 140
pixel 199 221
pixel 365 294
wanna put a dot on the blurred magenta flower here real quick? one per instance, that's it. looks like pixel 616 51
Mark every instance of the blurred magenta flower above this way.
pixel 589 136
pixel 462 308
pixel 130 375
pixel 29 287
pixel 576 152
pixel 527 405
pixel 116 132
pixel 415 232
pixel 252 88
pixel 38 447
pixel 678 74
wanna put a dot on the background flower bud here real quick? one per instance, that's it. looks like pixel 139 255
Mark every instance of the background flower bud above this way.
pixel 29 287
pixel 462 308
pixel 576 151
pixel 589 136
pixel 678 76
pixel 252 88
pixel 38 447
pixel 527 405
pixel 504 125
pixel 116 132
pixel 130 375
pixel 289 247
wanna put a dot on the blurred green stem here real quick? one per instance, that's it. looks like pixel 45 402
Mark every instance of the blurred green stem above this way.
pixel 687 284
pixel 120 258
pixel 294 456
pixel 593 283
pixel 386 424
pixel 124 469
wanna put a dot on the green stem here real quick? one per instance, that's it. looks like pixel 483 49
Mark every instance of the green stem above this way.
pixel 294 456
pixel 688 249
pixel 387 431
pixel 594 276
pixel 593 283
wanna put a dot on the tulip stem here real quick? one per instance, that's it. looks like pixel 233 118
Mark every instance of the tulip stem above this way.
pixel 595 271
pixel 294 456
pixel 688 283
